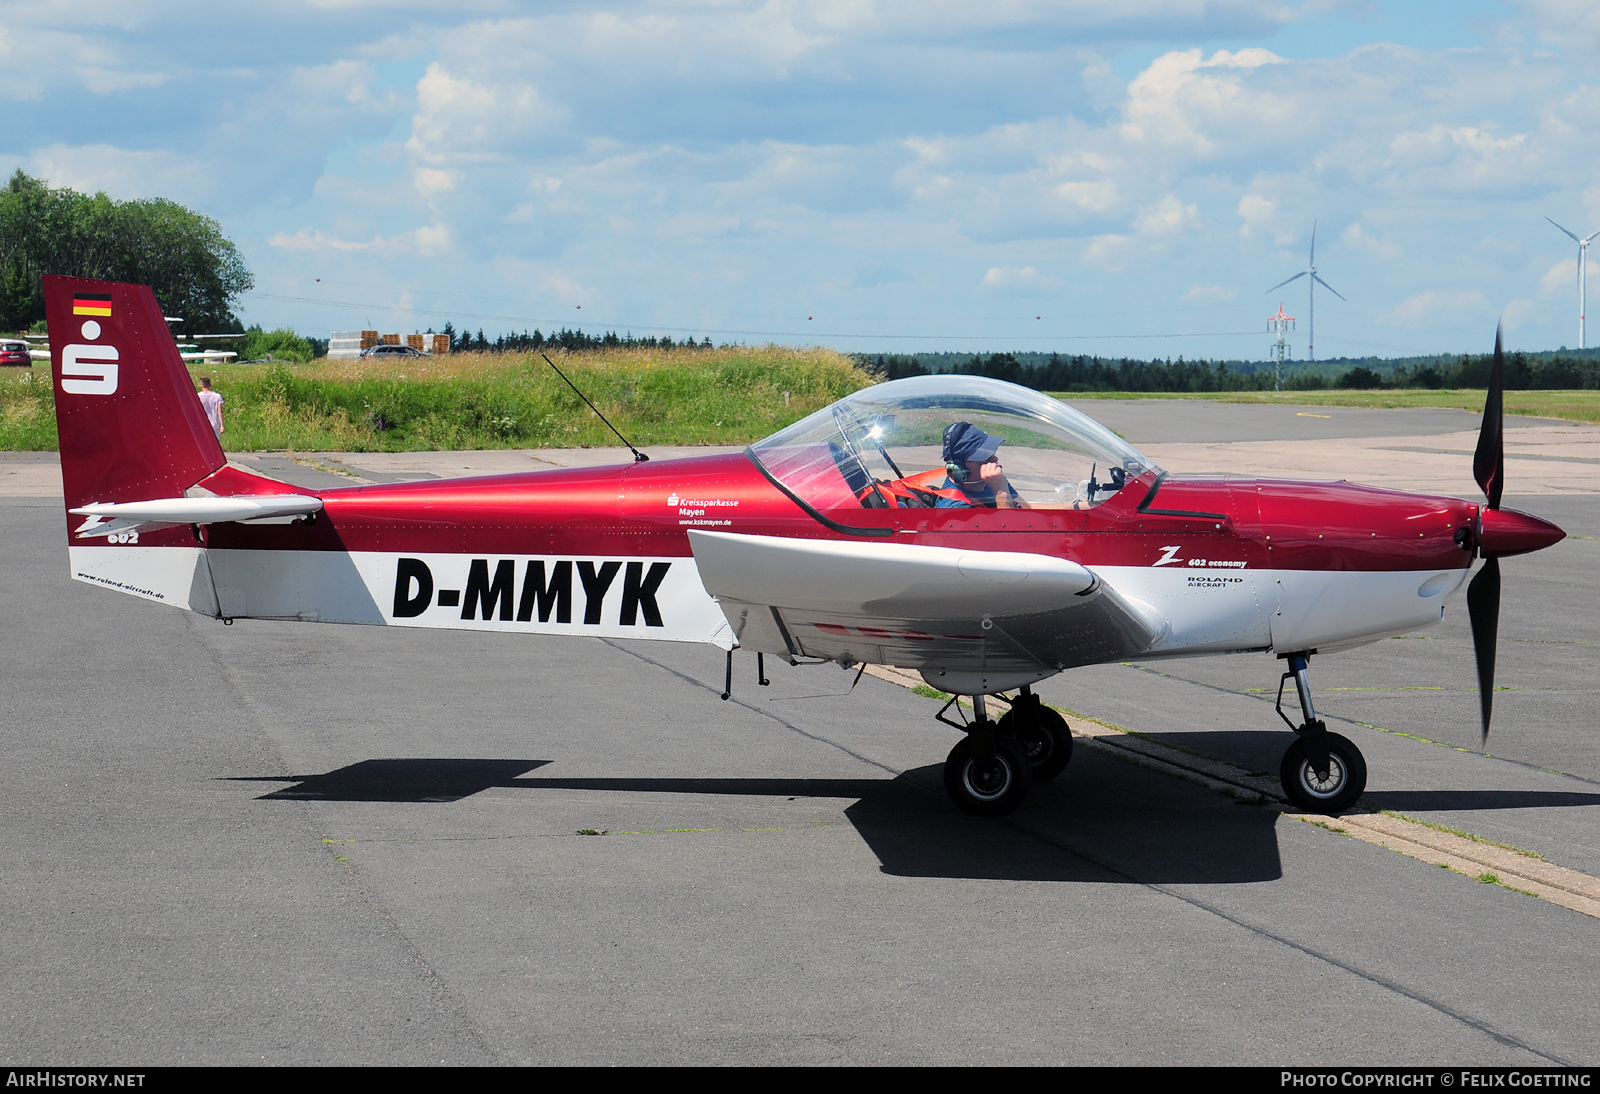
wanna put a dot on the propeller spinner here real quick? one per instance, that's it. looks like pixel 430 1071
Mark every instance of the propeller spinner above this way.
pixel 1500 532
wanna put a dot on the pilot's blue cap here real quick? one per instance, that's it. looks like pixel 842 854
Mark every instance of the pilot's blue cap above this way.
pixel 965 442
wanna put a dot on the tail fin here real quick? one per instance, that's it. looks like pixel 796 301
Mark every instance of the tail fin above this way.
pixel 129 420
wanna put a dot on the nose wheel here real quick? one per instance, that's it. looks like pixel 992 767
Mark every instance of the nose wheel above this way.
pixel 1321 772
pixel 1332 789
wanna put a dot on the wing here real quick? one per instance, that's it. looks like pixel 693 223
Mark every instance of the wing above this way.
pixel 968 620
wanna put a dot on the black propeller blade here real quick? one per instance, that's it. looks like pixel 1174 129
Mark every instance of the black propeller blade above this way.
pixel 1489 461
pixel 1483 595
pixel 1483 610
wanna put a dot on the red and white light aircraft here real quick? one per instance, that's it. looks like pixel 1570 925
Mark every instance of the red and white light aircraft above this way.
pixel 838 539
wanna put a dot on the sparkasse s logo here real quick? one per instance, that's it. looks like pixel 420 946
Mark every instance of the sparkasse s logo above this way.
pixel 87 368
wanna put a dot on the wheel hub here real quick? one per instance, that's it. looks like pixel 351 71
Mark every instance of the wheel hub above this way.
pixel 1319 787
pixel 987 777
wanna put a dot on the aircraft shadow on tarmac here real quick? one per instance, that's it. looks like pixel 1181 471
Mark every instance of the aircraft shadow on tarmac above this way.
pixel 410 780
pixel 1422 801
pixel 1110 821
pixel 1256 750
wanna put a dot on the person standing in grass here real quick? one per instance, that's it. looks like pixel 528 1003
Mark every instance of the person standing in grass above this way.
pixel 212 402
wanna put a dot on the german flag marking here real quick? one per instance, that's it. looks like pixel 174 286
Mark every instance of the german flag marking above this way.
pixel 92 304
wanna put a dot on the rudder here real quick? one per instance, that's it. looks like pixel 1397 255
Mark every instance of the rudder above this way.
pixel 130 424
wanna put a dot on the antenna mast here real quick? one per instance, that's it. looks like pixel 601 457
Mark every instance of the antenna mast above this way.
pixel 638 457
pixel 1280 325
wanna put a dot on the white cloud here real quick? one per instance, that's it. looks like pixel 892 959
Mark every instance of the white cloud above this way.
pixel 1519 313
pixel 1181 96
pixel 1026 279
pixel 430 240
pixel 1210 294
pixel 431 180
pixel 1571 23
pixel 124 173
pixel 1438 306
pixel 1257 212
pixel 1562 277
pixel 1109 252
pixel 1385 248
pixel 476 116
pixel 1167 217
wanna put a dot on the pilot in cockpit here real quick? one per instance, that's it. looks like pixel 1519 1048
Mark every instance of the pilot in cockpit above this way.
pixel 975 477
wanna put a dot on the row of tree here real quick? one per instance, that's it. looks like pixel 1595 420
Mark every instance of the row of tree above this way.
pixel 196 272
pixel 571 340
pixel 1557 371
pixel 1086 373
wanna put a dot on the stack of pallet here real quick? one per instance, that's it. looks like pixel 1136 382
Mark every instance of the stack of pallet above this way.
pixel 344 343
pixel 441 344
pixel 369 338
pixel 414 341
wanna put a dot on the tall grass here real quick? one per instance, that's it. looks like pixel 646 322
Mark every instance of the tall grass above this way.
pixel 27 410
pixel 677 396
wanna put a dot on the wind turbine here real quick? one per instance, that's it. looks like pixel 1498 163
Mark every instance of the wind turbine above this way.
pixel 1311 272
pixel 1583 261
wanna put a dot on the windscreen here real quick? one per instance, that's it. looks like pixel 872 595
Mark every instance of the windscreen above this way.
pixel 949 442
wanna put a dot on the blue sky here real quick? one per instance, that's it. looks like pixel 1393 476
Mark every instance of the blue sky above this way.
pixel 879 176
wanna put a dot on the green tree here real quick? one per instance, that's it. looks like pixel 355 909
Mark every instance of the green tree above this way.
pixel 281 345
pixel 196 272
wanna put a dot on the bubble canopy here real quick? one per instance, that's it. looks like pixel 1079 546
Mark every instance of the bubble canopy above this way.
pixel 882 448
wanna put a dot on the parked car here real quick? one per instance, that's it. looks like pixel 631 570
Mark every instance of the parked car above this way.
pixel 14 353
pixel 387 350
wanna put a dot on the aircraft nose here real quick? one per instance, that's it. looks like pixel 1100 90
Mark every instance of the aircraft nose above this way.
pixel 1503 532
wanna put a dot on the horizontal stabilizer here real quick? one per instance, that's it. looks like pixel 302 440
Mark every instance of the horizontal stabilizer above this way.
pixel 108 517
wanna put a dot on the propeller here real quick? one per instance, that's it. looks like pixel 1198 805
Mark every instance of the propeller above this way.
pixel 1499 532
pixel 1483 595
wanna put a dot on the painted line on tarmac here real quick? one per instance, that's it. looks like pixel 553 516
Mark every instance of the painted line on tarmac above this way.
pixel 1474 857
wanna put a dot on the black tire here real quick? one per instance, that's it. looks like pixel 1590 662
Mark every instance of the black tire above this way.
pixel 987 786
pixel 1347 777
pixel 1044 737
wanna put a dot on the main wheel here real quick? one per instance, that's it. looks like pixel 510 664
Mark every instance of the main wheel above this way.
pixel 1044 737
pixel 1347 777
pixel 987 786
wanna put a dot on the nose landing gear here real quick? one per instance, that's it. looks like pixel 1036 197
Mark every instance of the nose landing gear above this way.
pixel 1321 772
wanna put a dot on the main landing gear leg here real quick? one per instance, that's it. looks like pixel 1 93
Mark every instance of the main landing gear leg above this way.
pixel 1322 772
pixel 987 772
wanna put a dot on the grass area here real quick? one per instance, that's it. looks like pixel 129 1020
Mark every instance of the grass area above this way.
pixel 476 401
pixel 27 410
pixel 1572 406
